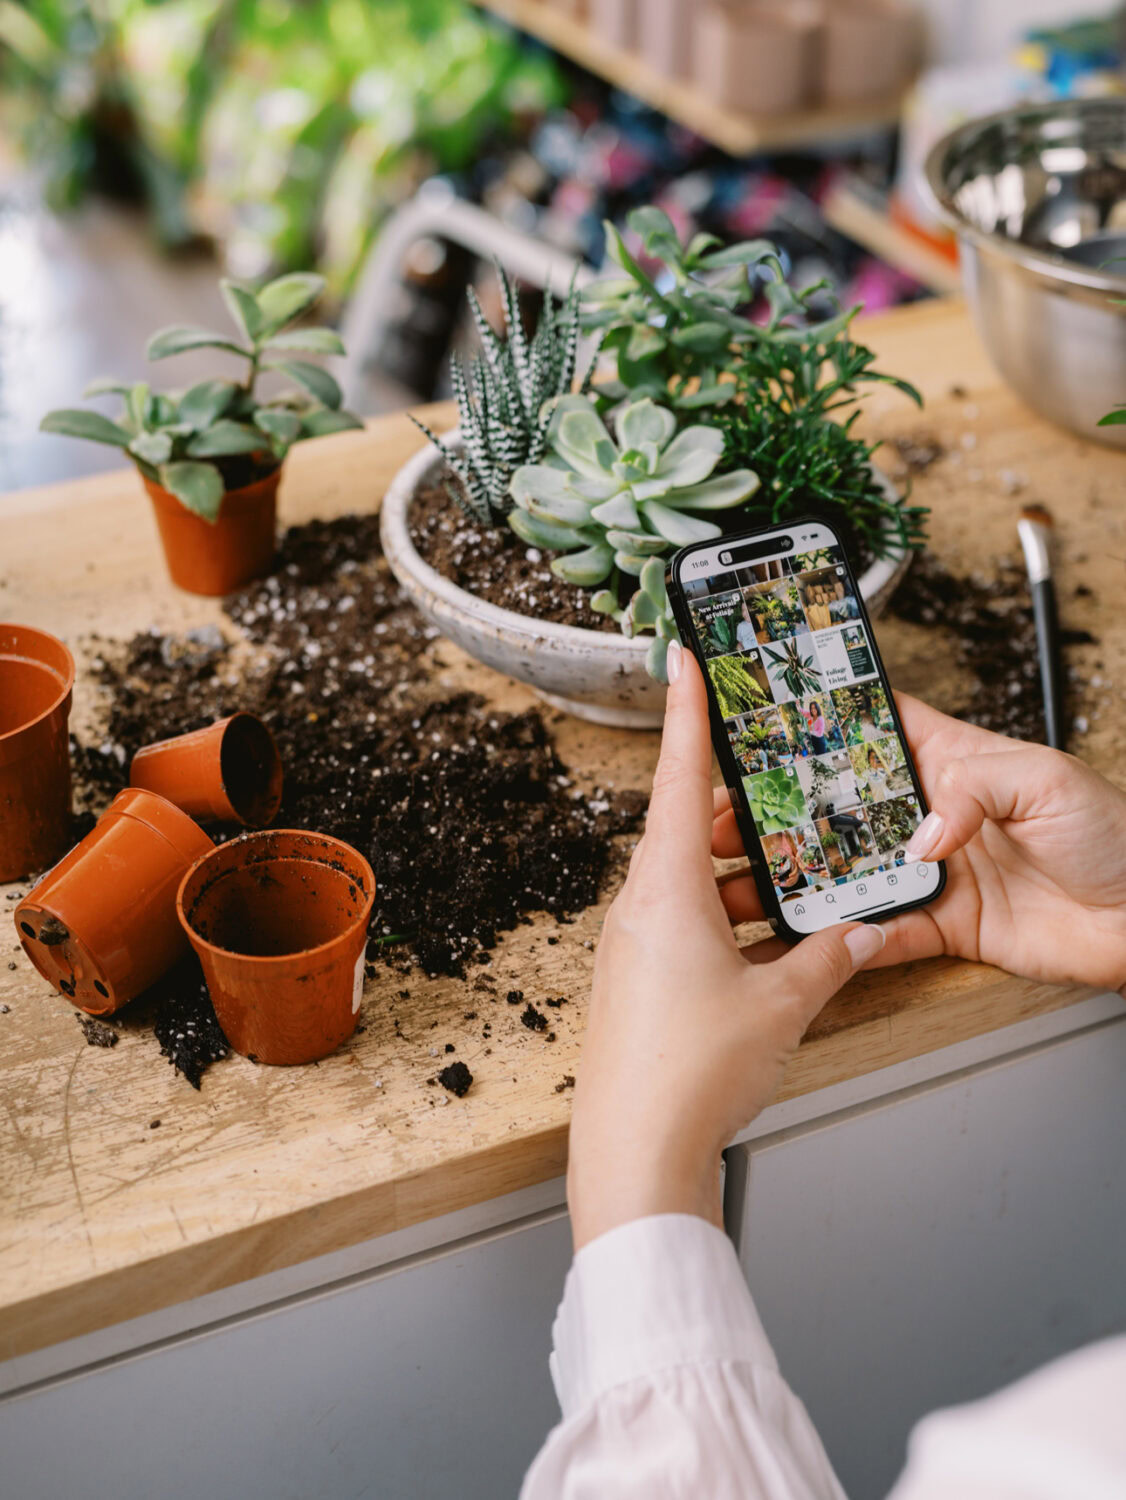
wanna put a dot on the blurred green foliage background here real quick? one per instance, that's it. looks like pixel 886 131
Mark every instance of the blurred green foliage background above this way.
pixel 285 130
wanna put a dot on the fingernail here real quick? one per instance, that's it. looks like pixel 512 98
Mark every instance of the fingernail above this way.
pixel 926 836
pixel 865 942
pixel 674 662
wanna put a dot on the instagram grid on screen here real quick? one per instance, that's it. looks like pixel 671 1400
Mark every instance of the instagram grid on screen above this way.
pixel 810 743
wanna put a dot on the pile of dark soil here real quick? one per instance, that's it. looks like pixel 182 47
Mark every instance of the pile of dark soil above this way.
pixel 496 565
pixel 991 618
pixel 469 818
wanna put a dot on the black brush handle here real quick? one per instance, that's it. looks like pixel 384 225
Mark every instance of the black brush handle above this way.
pixel 1046 616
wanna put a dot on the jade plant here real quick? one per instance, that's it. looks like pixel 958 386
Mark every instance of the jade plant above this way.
pixel 783 391
pixel 676 336
pixel 505 397
pixel 612 502
pixel 222 434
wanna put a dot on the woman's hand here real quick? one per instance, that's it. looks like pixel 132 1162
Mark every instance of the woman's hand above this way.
pixel 688 1035
pixel 1035 843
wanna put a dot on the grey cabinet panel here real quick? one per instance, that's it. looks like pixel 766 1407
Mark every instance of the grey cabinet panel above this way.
pixel 927 1249
pixel 419 1384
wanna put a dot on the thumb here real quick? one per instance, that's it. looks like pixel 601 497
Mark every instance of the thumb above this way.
pixel 999 786
pixel 807 977
pixel 679 824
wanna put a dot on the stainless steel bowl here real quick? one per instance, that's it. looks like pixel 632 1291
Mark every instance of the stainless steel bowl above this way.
pixel 1037 197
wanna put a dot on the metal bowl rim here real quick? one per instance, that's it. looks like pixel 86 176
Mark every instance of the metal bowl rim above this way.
pixel 1053 266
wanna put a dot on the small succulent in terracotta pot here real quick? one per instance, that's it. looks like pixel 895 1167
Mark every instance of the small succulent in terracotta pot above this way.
pixel 211 456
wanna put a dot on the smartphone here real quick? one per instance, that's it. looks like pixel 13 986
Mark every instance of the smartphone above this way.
pixel 804 726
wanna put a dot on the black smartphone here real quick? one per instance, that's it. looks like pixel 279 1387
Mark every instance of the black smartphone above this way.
pixel 804 726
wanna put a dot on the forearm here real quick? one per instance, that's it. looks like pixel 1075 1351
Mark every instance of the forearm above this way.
pixel 667 1382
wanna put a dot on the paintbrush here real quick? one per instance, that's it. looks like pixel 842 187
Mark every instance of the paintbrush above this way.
pixel 1035 531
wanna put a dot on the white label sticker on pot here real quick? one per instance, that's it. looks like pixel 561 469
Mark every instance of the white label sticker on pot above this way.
pixel 358 983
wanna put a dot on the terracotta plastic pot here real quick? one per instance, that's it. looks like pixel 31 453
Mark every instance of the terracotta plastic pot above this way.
pixel 758 58
pixel 868 48
pixel 102 926
pixel 230 772
pixel 279 921
pixel 36 684
pixel 666 37
pixel 616 22
pixel 206 557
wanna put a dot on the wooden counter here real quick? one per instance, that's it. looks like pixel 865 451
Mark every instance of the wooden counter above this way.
pixel 103 1217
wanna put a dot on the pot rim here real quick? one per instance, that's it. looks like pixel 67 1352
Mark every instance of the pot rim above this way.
pixel 312 954
pixel 9 735
pixel 398 546
pixel 244 491
pixel 1055 268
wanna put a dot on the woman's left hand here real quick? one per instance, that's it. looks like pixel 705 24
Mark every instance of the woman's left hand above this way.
pixel 688 1035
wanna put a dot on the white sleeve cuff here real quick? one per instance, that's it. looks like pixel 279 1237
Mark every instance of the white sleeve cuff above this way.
pixel 651 1294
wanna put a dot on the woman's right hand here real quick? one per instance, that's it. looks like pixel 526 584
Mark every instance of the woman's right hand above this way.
pixel 1035 844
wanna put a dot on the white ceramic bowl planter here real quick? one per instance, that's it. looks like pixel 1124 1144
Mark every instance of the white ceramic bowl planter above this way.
pixel 597 675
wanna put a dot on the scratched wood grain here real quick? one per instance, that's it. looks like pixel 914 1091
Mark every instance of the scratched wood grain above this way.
pixel 103 1218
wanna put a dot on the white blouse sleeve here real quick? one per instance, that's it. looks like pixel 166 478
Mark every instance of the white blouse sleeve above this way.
pixel 667 1382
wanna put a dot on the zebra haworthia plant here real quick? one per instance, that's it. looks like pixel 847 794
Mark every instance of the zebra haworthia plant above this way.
pixel 611 505
pixel 504 398
pixel 220 434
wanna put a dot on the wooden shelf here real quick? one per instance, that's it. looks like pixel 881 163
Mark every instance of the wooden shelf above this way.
pixel 739 134
pixel 862 216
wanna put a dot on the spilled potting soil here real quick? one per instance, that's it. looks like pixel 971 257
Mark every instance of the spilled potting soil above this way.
pixel 991 619
pixel 468 817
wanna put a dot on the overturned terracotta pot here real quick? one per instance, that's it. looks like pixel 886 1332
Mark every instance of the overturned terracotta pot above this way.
pixel 36 686
pixel 217 557
pixel 230 772
pixel 102 926
pixel 279 921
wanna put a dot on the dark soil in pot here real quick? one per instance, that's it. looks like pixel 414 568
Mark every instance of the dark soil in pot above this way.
pixel 495 564
pixel 342 672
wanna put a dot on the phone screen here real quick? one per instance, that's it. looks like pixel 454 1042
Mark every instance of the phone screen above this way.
pixel 811 746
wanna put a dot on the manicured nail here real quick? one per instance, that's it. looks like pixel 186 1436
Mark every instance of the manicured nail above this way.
pixel 926 836
pixel 865 942
pixel 674 661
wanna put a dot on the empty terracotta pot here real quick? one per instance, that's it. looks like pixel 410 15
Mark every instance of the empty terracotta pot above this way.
pixel 279 921
pixel 217 557
pixel 36 684
pixel 758 58
pixel 102 926
pixel 230 772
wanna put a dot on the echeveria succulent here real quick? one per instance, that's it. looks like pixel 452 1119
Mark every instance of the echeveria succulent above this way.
pixel 610 504
pixel 776 800
pixel 218 434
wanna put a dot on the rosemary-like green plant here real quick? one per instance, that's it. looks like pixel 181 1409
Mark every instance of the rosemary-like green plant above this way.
pixel 219 434
pixel 505 397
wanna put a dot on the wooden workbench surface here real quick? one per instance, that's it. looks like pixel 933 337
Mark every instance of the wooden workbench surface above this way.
pixel 103 1218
